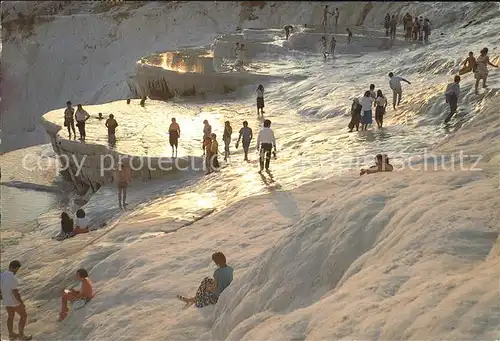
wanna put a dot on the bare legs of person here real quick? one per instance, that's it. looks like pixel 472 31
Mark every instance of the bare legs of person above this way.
pixel 484 78
pixel 66 296
pixel 396 97
pixel 23 318
pixel 188 300
pixel 122 192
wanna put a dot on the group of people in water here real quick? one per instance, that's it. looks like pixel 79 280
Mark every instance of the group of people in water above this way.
pixel 362 109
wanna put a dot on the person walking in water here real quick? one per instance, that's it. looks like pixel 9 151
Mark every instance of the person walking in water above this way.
pixel 349 36
pixel 393 25
pixel 260 100
pixel 336 15
pixel 373 94
pixel 288 29
pixel 387 24
pixel 124 178
pixel 380 105
pixel 367 114
pixel 451 95
pixel 482 62
pixel 111 124
pixel 333 44
pixel 469 64
pixel 81 117
pixel 265 144
pixel 174 133
pixel 323 46
pixel 324 22
pixel 13 301
pixel 69 119
pixel 207 131
pixel 355 115
pixel 397 90
pixel 226 137
pixel 214 152
pixel 246 136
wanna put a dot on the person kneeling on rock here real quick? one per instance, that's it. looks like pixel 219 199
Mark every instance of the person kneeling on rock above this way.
pixel 381 165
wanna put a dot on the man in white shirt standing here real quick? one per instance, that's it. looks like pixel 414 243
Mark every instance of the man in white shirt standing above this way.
pixel 265 143
pixel 13 302
pixel 397 91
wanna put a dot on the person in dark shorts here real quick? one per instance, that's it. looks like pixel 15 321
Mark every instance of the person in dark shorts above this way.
pixel 260 100
pixel 380 106
pixel 69 119
pixel 174 133
pixel 246 136
pixel 452 94
pixel 265 144
pixel 111 124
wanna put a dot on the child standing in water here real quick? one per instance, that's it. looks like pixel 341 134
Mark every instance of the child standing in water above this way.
pixel 226 137
pixel 260 100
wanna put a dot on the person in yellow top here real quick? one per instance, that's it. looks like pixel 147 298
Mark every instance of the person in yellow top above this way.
pixel 213 163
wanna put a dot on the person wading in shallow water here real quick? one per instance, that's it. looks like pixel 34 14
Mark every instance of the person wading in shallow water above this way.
pixel 207 131
pixel 174 133
pixel 111 124
pixel 451 95
pixel 69 119
pixel 13 302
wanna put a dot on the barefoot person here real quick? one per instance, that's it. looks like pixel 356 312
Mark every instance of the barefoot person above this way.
pixel 355 115
pixel 380 106
pixel 214 152
pixel 111 124
pixel 397 90
pixel 260 100
pixel 367 113
pixel 381 165
pixel 81 117
pixel 226 137
pixel 468 65
pixel 210 289
pixel 207 131
pixel 333 44
pixel 288 29
pixel 246 136
pixel 124 178
pixel 482 63
pixel 349 35
pixel 174 133
pixel 265 143
pixel 323 46
pixel 451 94
pixel 82 223
pixel 69 119
pixel 84 293
pixel 13 302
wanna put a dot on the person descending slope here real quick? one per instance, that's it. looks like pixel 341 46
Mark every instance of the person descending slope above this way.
pixel 397 90
pixel 246 136
pixel 451 94
pixel 265 143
